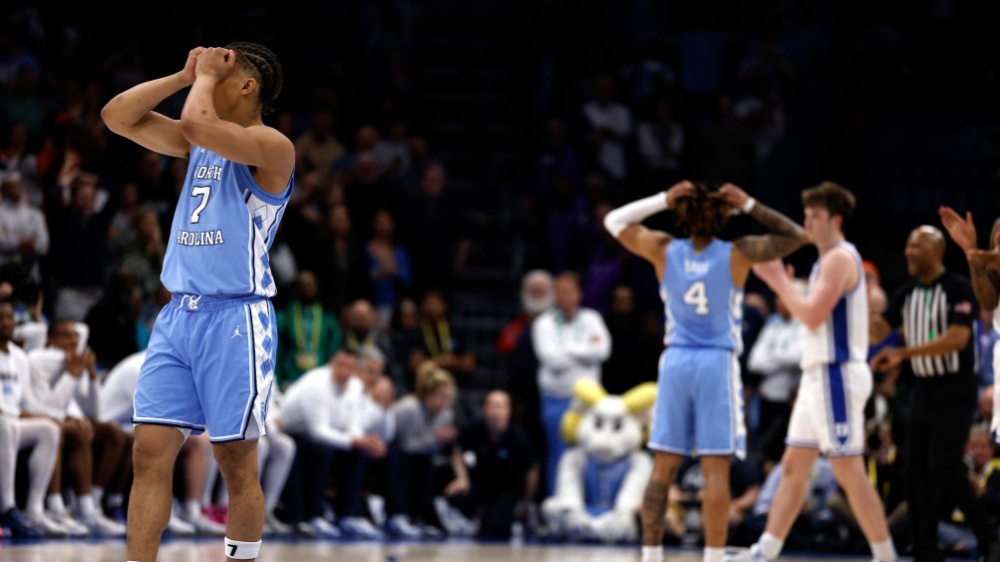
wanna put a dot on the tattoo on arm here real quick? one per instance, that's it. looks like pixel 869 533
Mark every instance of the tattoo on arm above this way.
pixel 654 508
pixel 986 285
pixel 786 236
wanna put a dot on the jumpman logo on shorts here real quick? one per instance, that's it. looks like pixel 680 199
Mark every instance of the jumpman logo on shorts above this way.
pixel 236 333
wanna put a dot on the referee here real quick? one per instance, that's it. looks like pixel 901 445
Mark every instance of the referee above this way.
pixel 935 309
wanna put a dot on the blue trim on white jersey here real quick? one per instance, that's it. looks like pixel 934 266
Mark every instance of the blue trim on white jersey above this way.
pixel 838 329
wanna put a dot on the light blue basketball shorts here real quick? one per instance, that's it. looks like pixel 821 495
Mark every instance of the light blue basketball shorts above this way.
pixel 699 403
pixel 209 366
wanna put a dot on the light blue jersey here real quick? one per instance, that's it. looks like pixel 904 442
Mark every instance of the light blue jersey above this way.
pixel 703 308
pixel 209 365
pixel 223 226
pixel 699 400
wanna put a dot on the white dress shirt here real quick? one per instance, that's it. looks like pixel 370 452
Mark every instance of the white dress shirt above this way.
pixel 568 350
pixel 316 407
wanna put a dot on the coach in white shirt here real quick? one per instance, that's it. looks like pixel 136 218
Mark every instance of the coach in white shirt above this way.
pixel 325 412
pixel 571 344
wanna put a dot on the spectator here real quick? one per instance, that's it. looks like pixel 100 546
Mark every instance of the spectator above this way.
pixel 80 254
pixel 609 126
pixel 424 427
pixel 143 256
pixel 17 158
pixel 571 343
pixel 388 266
pixel 986 339
pixel 436 236
pixel 317 148
pixel 661 145
pixel 324 412
pixel 24 236
pixel 500 473
pixel 638 342
pixel 775 356
pixel 308 334
pixel 361 332
pixel 438 341
pixel 536 297
pixel 339 262
pixel 114 320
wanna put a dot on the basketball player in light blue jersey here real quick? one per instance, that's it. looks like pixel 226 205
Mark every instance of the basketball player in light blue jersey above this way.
pixel 209 366
pixel 699 398
pixel 828 416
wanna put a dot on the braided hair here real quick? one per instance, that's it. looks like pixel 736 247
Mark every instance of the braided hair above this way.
pixel 264 65
pixel 702 214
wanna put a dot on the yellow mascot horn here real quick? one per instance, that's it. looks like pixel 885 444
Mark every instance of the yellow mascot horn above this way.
pixel 586 393
pixel 640 397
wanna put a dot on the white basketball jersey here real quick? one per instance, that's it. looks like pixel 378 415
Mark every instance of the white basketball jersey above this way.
pixel 996 318
pixel 844 335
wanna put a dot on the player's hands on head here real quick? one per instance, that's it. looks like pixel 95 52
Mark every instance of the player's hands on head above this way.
pixel 189 64
pixel 962 231
pixel 733 195
pixel 215 63
pixel 683 188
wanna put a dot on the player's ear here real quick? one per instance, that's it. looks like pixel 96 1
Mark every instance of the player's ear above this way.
pixel 249 85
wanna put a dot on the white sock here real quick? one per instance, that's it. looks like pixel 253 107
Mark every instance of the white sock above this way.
pixel 98 493
pixel 713 554
pixel 652 553
pixel 55 503
pixel 192 509
pixel 770 546
pixel 884 551
pixel 86 506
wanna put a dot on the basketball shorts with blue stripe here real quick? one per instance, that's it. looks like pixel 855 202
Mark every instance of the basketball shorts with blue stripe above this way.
pixel 699 403
pixel 829 411
pixel 209 367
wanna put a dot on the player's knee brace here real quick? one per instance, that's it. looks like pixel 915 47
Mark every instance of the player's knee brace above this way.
pixel 241 550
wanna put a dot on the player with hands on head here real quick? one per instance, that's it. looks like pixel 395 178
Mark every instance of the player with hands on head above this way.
pixel 699 405
pixel 210 361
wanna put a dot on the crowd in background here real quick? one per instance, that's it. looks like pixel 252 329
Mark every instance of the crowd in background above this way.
pixel 368 257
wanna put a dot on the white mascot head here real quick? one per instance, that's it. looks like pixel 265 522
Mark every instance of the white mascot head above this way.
pixel 602 476
pixel 611 426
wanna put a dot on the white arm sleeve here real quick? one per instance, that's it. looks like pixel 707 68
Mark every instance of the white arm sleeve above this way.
pixel 634 213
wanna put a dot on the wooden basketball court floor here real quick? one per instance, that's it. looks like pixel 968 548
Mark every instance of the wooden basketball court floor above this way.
pixel 277 550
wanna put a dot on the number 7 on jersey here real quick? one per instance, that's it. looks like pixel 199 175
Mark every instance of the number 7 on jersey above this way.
pixel 203 191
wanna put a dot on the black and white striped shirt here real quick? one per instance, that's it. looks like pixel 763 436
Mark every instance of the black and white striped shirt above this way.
pixel 925 311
